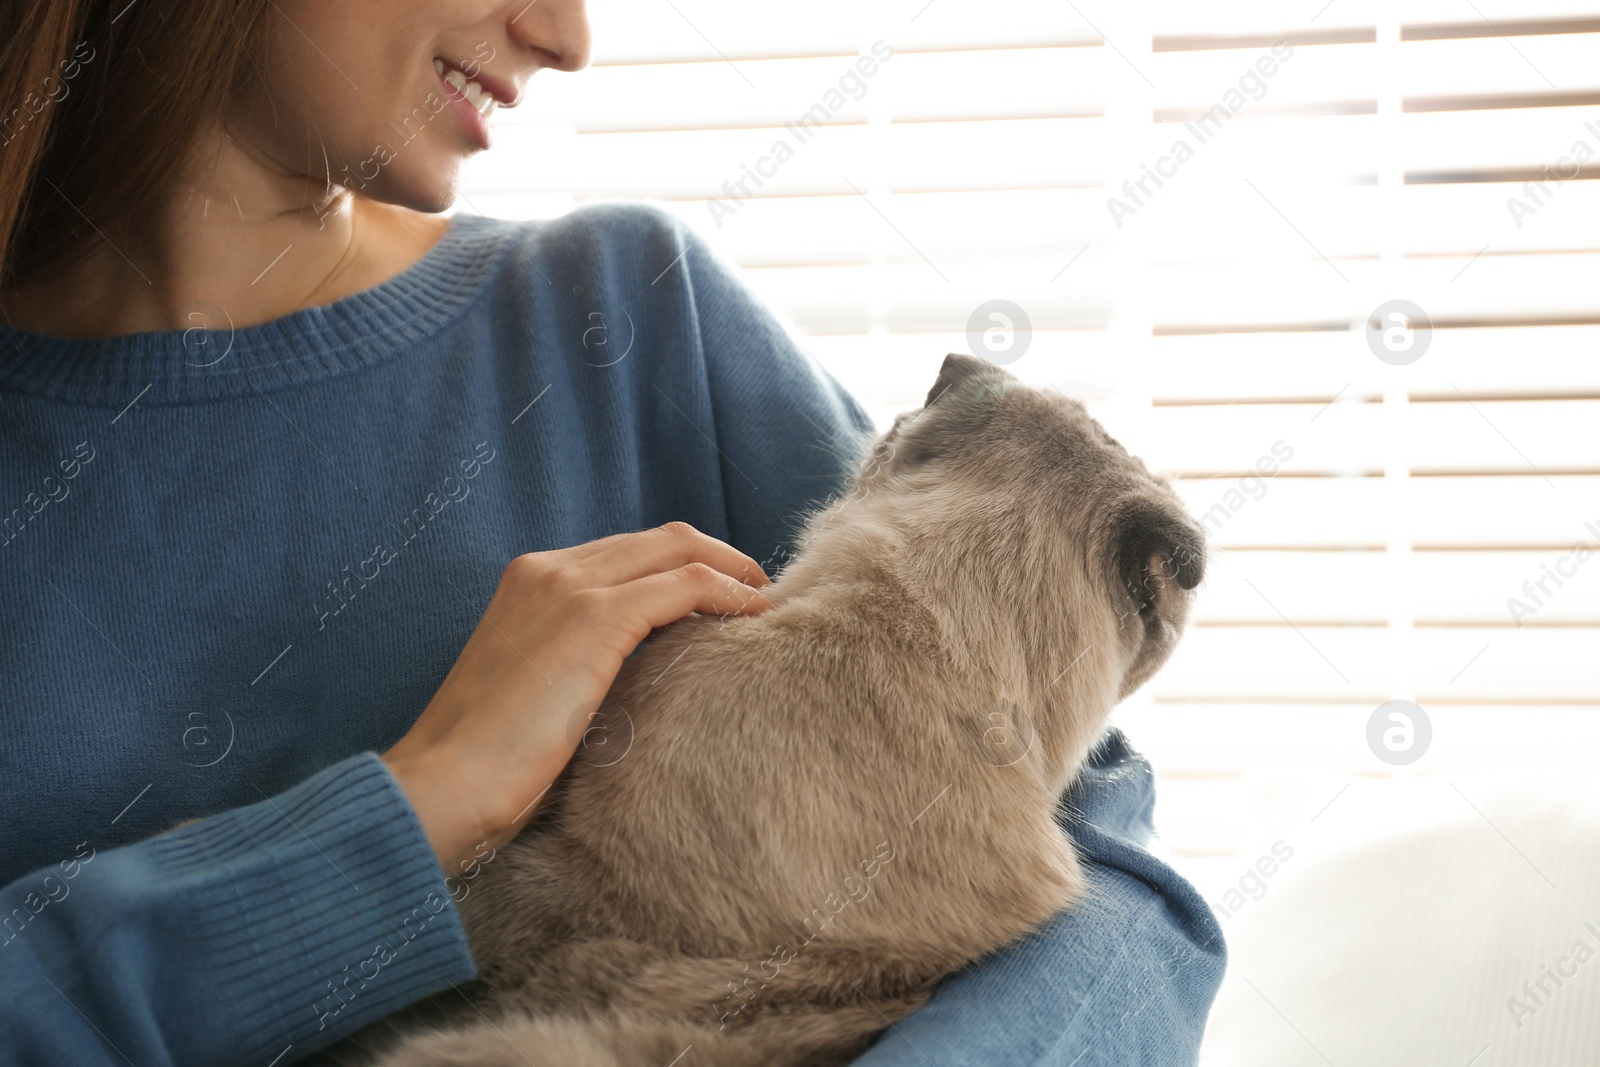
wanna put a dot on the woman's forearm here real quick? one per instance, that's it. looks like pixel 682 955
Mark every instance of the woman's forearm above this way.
pixel 288 923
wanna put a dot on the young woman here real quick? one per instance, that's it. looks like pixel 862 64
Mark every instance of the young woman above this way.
pixel 325 520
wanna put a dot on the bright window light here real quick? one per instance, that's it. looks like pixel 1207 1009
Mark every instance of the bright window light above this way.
pixel 1207 213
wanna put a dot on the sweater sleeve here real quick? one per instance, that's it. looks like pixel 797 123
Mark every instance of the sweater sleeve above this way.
pixel 254 936
pixel 788 433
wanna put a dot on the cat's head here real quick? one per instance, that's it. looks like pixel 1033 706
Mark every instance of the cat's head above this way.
pixel 1051 483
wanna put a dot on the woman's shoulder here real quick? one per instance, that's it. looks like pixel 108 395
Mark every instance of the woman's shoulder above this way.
pixel 630 255
pixel 604 226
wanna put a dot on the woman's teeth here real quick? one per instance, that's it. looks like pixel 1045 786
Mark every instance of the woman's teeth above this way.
pixel 475 94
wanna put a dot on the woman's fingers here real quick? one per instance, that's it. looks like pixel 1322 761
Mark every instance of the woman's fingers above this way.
pixel 498 730
pixel 618 560
pixel 666 596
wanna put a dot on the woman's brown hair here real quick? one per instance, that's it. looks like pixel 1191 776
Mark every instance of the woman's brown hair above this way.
pixel 102 101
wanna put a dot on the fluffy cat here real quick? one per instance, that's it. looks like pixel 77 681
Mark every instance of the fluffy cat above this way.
pixel 806 818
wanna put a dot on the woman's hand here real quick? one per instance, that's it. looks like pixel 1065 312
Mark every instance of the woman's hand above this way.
pixel 515 705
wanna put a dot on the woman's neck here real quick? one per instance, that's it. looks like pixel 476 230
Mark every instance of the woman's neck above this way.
pixel 241 243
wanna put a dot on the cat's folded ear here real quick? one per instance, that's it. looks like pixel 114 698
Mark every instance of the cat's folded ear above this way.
pixel 958 367
pixel 1152 534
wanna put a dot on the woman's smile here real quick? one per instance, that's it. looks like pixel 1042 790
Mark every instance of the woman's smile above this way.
pixel 471 102
pixel 475 95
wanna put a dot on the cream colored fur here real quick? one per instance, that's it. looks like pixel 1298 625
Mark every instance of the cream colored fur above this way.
pixel 828 807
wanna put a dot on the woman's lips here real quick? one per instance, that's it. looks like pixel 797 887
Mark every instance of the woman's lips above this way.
pixel 474 103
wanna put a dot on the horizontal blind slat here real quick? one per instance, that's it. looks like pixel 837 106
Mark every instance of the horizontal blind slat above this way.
pixel 1352 664
pixel 1172 17
pixel 696 164
pixel 1469 67
pixel 1516 437
pixel 1511 510
pixel 1447 588
pixel 644 31
pixel 910 87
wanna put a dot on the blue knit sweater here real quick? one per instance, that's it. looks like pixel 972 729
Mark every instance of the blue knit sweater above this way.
pixel 236 564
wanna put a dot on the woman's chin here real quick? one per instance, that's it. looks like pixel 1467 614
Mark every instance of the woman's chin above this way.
pixel 426 189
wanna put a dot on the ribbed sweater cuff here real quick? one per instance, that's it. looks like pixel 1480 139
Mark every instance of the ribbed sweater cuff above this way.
pixel 327 911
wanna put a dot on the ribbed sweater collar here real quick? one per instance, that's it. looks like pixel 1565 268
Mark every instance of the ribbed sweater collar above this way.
pixel 215 361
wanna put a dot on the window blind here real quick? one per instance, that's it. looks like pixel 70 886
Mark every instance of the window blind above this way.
pixel 1375 523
